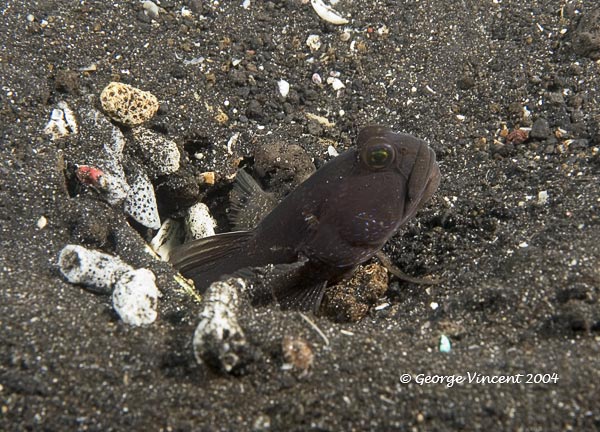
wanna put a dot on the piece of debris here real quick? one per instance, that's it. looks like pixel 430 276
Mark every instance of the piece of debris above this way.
pixel 113 189
pixel 284 88
pixel 219 341
pixel 445 345
pixel 351 300
pixel 297 354
pixel 135 295
pixel 62 122
pixel 128 105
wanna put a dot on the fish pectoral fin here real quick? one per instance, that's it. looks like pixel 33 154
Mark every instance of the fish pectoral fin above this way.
pixel 249 203
pixel 306 297
pixel 290 285
pixel 393 269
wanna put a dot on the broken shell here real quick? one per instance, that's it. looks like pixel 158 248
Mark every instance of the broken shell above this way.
pixel 169 236
pixel 128 105
pixel 327 13
pixel 140 203
pixel 135 297
pixel 198 222
pixel 162 154
pixel 62 122
pixel 95 270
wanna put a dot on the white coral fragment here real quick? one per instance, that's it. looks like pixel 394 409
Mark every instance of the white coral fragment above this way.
pixel 95 270
pixel 140 203
pixel 219 340
pixel 134 291
pixel 199 223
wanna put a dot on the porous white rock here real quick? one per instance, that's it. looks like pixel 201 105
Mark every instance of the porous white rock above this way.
pixel 134 291
pixel 95 270
pixel 127 104
pixel 135 297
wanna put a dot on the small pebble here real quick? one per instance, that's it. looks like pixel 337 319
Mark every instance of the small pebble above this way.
pixel 128 105
pixel 445 345
pixel 284 88
pixel 42 222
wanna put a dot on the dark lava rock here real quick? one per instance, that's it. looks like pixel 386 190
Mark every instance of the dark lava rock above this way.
pixel 586 41
pixel 540 129
pixel 282 166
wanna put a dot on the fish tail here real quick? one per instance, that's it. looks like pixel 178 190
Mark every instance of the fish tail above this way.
pixel 207 259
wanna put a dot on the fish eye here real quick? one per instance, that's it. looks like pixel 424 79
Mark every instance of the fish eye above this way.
pixel 378 156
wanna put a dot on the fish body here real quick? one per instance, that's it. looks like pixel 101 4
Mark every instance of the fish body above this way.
pixel 339 217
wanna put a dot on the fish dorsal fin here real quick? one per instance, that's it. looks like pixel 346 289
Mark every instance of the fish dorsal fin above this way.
pixel 249 203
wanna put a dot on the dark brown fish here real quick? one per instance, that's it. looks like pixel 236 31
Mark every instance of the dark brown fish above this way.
pixel 338 218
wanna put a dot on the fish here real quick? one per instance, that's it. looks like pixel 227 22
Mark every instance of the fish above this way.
pixel 338 218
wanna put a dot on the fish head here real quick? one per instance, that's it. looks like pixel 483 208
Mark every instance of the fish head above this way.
pixel 404 157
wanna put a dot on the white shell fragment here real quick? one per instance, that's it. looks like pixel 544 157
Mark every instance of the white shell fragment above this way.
pixel 95 270
pixel 151 9
pixel 62 122
pixel 198 222
pixel 169 236
pixel 327 13
pixel 128 105
pixel 335 83
pixel 219 340
pixel 284 87
pixel 135 297
pixel 161 153
pixel 140 203
pixel 313 42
